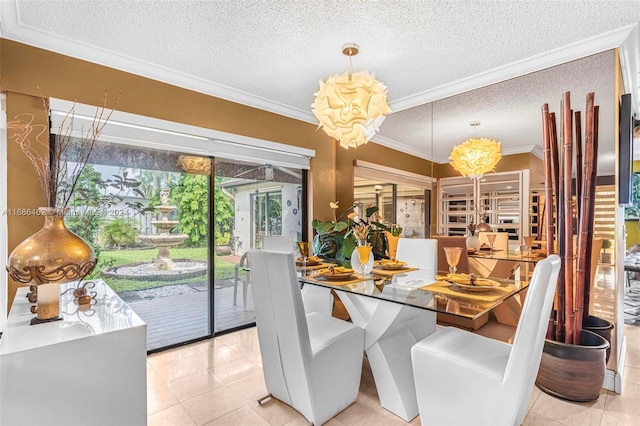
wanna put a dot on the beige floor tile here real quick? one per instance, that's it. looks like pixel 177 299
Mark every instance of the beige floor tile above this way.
pixel 250 388
pixel 246 346
pixel 158 398
pixel 632 374
pixel 608 420
pixel 235 370
pixel 195 384
pixel 180 352
pixel 212 405
pixel 254 358
pixel 183 367
pixel 534 419
pixel 570 413
pixel 172 416
pixel 624 406
pixel 153 378
pixel 243 416
pixel 237 336
pixel 275 412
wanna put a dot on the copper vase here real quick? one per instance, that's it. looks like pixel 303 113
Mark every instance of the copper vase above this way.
pixel 53 254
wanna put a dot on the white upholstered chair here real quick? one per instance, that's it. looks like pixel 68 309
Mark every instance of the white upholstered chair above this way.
pixel 312 362
pixel 419 253
pixel 463 378
pixel 278 243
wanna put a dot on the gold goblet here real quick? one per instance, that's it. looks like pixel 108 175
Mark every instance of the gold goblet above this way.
pixel 364 253
pixel 492 239
pixel 305 249
pixel 453 257
pixel 528 241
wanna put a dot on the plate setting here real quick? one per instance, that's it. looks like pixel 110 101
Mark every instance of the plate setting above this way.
pixel 391 264
pixel 466 283
pixel 337 273
pixel 311 261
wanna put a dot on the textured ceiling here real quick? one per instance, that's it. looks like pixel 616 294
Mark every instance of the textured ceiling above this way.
pixel 272 54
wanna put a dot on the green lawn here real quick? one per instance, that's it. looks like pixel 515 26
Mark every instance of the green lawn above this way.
pixel 109 258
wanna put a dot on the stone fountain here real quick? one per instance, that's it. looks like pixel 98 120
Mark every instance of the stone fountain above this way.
pixel 164 240
pixel 163 268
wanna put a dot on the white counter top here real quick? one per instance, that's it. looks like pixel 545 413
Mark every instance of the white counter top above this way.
pixel 108 313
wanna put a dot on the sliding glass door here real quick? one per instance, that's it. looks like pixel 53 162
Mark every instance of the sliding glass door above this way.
pixel 146 213
pixel 262 200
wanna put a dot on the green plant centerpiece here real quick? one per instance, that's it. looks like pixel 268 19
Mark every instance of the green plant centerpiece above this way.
pixel 335 240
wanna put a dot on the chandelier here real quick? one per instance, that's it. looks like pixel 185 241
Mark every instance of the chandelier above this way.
pixel 475 156
pixel 351 106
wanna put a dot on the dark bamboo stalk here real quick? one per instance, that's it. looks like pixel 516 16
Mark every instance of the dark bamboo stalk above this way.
pixel 592 208
pixel 567 216
pixel 584 236
pixel 578 151
pixel 557 171
pixel 548 188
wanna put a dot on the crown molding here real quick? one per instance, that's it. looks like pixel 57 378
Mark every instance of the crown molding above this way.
pixel 630 62
pixel 399 146
pixel 12 29
pixel 570 52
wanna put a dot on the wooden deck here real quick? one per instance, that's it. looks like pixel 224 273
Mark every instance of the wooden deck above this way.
pixel 175 319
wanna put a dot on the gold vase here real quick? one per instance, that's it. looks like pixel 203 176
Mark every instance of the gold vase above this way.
pixel 53 254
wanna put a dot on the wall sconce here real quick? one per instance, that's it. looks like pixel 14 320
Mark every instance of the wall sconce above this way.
pixel 351 106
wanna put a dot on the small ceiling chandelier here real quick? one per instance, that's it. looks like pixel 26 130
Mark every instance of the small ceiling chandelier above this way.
pixel 351 106
pixel 475 156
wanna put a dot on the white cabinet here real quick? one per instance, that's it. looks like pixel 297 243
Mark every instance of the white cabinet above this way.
pixel 87 369
pixel 502 198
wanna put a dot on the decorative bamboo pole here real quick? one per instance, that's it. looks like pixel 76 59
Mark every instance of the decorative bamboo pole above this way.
pixel 548 188
pixel 578 151
pixel 548 178
pixel 591 212
pixel 567 213
pixel 559 226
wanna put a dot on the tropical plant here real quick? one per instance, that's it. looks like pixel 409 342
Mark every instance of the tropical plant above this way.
pixel 191 195
pixel 119 233
pixel 335 240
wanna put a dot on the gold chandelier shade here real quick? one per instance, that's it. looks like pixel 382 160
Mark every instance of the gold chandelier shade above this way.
pixel 351 106
pixel 475 157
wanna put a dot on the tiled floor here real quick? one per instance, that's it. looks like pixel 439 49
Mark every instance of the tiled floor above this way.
pixel 217 382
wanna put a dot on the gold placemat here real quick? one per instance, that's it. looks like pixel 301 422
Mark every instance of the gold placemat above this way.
pixel 352 280
pixel 320 265
pixel 391 272
pixel 491 295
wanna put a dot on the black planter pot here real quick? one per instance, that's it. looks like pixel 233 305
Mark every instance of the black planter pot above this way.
pixel 599 326
pixel 573 372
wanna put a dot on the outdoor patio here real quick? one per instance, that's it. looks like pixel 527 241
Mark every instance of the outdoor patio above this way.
pixel 181 313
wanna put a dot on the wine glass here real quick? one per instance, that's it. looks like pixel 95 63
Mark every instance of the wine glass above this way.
pixel 304 247
pixel 453 257
pixel 492 239
pixel 364 253
pixel 528 241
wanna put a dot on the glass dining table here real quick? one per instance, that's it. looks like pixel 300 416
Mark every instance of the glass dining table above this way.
pixel 397 309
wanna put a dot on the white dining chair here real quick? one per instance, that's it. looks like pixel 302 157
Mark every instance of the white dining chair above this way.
pixel 419 253
pixel 312 362
pixel 283 243
pixel 316 299
pixel 462 378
